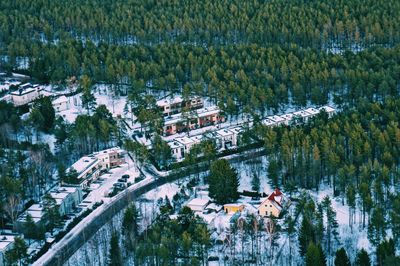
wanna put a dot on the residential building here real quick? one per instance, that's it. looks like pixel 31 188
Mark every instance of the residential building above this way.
pixel 328 109
pixel 61 104
pixel 6 243
pixel 288 118
pixel 204 117
pixel 268 122
pixel 277 120
pixel 37 214
pixel 302 116
pixel 198 204
pixel 225 139
pixel 88 168
pixel 67 198
pixel 175 105
pixel 25 94
pixel 273 204
pixel 209 116
pixel 111 158
pixel 312 111
pixel 177 149
pixel 233 208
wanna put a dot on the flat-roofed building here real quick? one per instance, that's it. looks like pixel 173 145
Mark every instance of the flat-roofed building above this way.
pixel 288 118
pixel 302 115
pixel 88 169
pixel 6 243
pixel 111 158
pixel 61 104
pixel 25 94
pixel 203 117
pixel 276 119
pixel 328 109
pixel 225 139
pixel 175 105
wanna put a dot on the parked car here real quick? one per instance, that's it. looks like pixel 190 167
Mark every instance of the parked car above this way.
pixel 125 176
pixel 120 185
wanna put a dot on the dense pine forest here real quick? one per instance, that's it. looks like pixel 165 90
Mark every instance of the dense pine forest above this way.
pixel 250 58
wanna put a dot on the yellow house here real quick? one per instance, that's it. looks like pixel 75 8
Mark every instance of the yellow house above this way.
pixel 233 208
pixel 273 205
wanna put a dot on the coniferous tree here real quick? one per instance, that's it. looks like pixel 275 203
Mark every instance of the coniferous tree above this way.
pixel 341 258
pixel 314 256
pixel 88 99
pixel 306 235
pixel 130 227
pixel 115 256
pixel 385 250
pixel 223 182
pixel 18 254
pixel 362 258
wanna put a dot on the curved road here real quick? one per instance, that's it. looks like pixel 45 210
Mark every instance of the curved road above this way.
pixel 60 252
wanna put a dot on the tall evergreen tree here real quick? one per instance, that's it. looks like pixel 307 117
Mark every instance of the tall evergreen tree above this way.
pixel 115 256
pixel 341 258
pixel 306 235
pixel 314 256
pixel 385 250
pixel 130 227
pixel 362 258
pixel 223 182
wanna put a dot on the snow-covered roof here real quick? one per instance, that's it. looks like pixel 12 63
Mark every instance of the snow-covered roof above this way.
pixel 61 99
pixel 199 202
pixel 110 150
pixel 312 111
pixel 224 132
pixel 276 118
pixel 302 113
pixel 185 140
pixel 175 145
pixel 5 241
pixel 169 101
pixel 197 139
pixel 22 91
pixel 207 111
pixel 287 117
pixel 236 130
pixel 84 163
pixel 268 122
pixel 173 119
pixel 327 109
pixel 234 205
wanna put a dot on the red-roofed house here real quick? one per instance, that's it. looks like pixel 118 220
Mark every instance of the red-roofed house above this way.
pixel 273 204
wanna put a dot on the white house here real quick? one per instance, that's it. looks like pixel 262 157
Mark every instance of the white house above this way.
pixel 225 139
pixel 187 144
pixel 61 104
pixel 329 110
pixel 25 94
pixel 177 149
pixel 88 168
pixel 269 123
pixel 288 118
pixel 6 243
pixel 67 198
pixel 237 131
pixel 276 119
pixel 303 115
pixel 312 111
pixel 198 204
pixel 273 204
